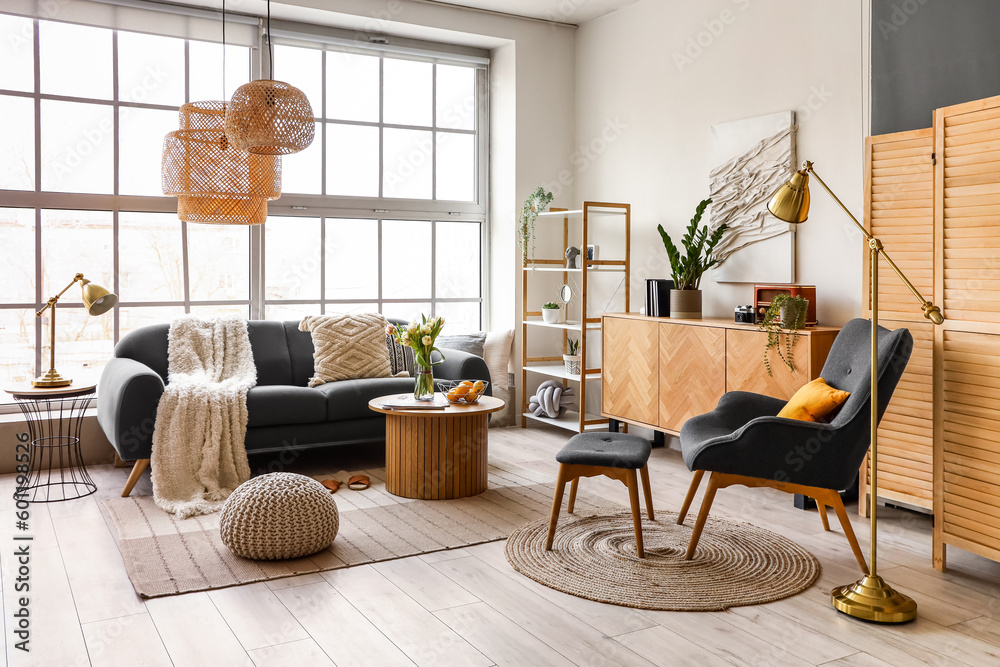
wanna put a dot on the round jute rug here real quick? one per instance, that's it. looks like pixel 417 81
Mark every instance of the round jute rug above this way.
pixel 594 557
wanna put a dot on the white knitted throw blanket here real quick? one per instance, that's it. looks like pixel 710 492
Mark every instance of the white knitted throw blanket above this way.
pixel 199 457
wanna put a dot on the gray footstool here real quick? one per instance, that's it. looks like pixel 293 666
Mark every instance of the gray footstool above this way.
pixel 614 455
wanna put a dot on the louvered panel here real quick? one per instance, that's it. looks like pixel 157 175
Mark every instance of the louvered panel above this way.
pixel 906 432
pixel 899 210
pixel 971 204
pixel 971 436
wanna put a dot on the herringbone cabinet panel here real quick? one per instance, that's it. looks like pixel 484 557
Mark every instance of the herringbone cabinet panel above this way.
pixel 899 210
pixel 745 364
pixel 629 378
pixel 692 372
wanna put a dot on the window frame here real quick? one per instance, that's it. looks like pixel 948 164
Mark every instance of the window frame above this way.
pixel 320 206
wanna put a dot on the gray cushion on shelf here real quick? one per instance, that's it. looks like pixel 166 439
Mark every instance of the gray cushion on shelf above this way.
pixel 473 343
pixel 615 450
pixel 273 405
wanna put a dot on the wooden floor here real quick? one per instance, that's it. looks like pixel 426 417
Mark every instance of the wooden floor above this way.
pixel 468 607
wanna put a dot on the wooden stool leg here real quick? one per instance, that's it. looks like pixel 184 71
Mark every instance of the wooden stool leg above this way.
pixel 556 504
pixel 633 496
pixel 644 473
pixel 845 523
pixel 822 514
pixel 134 476
pixel 689 498
pixel 572 494
pixel 706 507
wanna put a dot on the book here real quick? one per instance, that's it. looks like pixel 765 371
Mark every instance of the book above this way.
pixel 407 402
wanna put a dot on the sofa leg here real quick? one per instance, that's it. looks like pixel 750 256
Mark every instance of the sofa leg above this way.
pixel 134 476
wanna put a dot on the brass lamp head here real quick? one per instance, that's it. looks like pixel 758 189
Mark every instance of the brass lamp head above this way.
pixel 96 299
pixel 791 202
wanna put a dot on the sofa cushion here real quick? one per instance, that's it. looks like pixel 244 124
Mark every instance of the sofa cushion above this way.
pixel 348 399
pixel 300 350
pixel 348 346
pixel 275 405
pixel 270 352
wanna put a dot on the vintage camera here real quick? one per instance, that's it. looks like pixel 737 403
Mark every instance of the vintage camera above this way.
pixel 745 315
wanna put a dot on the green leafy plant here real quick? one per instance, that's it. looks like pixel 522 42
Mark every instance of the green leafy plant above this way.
pixel 777 339
pixel 550 305
pixel 687 269
pixel 574 346
pixel 533 205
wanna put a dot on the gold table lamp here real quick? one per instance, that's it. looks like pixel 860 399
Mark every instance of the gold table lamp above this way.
pixel 97 301
pixel 870 598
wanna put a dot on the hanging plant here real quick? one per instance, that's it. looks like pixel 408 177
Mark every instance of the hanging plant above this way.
pixel 785 313
pixel 533 205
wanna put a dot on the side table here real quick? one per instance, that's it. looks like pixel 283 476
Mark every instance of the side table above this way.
pixel 55 415
pixel 436 454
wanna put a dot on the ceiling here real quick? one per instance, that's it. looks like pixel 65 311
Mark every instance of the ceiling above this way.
pixel 563 11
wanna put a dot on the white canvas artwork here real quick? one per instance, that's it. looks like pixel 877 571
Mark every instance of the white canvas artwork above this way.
pixel 751 159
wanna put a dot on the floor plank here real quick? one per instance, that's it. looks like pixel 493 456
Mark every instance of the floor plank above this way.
pixel 256 616
pixel 302 653
pixel 194 632
pixel 125 642
pixel 431 589
pixel 417 632
pixel 666 649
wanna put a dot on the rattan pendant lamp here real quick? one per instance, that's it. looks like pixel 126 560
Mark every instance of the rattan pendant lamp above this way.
pixel 213 181
pixel 269 117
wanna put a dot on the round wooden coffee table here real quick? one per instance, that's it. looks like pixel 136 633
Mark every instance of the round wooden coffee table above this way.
pixel 436 454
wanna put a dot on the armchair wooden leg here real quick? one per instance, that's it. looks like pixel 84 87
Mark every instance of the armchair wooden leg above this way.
pixel 134 476
pixel 689 498
pixel 706 507
pixel 556 504
pixel 572 495
pixel 822 514
pixel 845 522
pixel 633 496
pixel 644 473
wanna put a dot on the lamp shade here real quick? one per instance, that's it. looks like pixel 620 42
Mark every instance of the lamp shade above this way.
pixel 791 202
pixel 96 299
pixel 213 181
pixel 268 117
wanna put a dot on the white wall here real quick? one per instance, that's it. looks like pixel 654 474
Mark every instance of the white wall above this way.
pixel 663 71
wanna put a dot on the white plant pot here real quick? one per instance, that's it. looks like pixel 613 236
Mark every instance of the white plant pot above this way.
pixel 551 315
pixel 572 362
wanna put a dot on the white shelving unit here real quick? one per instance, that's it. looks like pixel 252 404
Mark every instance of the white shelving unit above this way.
pixel 552 367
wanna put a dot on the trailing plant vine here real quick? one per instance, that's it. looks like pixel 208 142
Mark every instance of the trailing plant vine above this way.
pixel 777 339
pixel 533 205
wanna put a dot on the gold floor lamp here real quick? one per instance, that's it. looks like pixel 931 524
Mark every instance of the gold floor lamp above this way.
pixel 96 300
pixel 870 598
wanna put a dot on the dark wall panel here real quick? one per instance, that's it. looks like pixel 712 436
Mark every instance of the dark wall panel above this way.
pixel 928 54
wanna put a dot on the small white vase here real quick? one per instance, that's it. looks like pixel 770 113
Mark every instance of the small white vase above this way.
pixel 551 315
pixel 572 362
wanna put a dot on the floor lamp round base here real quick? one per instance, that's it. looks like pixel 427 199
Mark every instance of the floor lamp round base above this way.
pixel 871 599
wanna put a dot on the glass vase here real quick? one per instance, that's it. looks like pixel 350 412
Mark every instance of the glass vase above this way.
pixel 423 386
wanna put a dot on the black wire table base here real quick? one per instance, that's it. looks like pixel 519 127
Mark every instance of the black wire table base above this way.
pixel 55 471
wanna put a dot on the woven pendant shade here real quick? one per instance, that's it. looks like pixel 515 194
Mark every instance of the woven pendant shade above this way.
pixel 269 117
pixel 213 181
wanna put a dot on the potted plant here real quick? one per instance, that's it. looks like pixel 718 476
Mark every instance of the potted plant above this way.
pixel 550 312
pixel 687 269
pixel 536 202
pixel 573 360
pixel 785 313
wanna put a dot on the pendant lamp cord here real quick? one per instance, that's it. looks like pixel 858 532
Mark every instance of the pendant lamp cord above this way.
pixel 270 47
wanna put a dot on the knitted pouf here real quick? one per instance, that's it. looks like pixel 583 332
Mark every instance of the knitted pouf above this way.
pixel 280 515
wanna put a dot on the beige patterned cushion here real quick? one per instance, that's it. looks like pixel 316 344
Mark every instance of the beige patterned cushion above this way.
pixel 347 347
pixel 277 516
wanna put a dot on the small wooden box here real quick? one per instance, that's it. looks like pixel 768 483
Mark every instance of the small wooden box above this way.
pixel 763 295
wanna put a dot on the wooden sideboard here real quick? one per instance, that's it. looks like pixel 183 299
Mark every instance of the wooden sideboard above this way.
pixel 659 372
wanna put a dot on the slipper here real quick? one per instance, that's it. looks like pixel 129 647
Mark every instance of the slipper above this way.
pixel 358 483
pixel 331 484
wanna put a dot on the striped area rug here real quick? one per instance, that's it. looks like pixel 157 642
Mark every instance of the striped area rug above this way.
pixel 166 556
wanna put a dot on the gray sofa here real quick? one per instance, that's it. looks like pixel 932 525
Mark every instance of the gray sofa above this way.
pixel 284 413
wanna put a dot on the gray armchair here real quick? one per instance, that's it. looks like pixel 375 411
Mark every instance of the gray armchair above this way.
pixel 743 441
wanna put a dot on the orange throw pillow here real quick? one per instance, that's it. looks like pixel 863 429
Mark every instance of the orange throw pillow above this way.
pixel 814 401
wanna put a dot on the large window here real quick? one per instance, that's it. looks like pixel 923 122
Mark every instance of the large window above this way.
pixel 385 211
